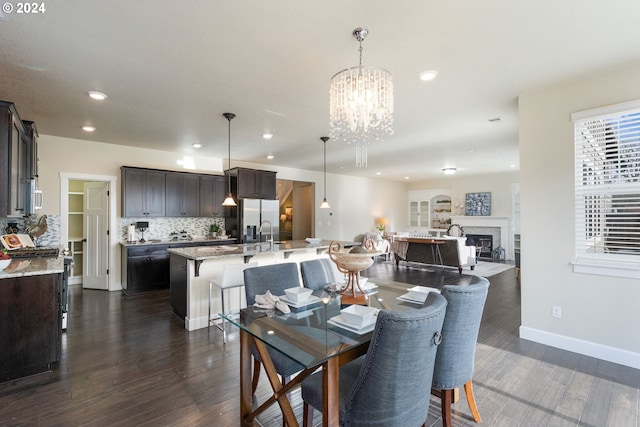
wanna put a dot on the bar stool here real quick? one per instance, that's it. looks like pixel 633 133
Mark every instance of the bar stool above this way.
pixel 232 277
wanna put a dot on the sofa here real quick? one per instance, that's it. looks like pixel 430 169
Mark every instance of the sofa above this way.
pixel 454 251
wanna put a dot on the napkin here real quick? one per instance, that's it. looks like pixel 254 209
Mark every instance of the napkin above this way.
pixel 270 301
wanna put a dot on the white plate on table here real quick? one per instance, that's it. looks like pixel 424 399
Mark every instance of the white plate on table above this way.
pixel 410 297
pixel 311 300
pixel 407 298
pixel 367 285
pixel 342 323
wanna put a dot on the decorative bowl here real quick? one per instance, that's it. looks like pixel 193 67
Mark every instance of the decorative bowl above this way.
pixel 358 315
pixel 354 262
pixel 298 294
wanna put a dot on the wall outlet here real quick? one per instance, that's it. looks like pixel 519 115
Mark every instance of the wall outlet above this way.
pixel 556 312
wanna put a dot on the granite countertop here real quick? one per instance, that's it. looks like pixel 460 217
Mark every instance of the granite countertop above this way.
pixel 20 267
pixel 174 241
pixel 200 253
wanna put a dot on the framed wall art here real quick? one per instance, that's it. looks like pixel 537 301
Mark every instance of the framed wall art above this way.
pixel 478 204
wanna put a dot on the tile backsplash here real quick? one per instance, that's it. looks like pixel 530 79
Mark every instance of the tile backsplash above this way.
pixel 161 228
pixel 51 238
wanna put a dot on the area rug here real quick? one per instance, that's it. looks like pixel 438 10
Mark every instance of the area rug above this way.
pixel 483 268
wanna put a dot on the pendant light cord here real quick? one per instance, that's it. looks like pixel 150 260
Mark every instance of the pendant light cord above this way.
pixel 324 140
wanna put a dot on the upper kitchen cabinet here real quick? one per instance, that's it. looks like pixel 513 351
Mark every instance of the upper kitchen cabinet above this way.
pixel 143 192
pixel 181 194
pixel 32 149
pixel 255 184
pixel 14 164
pixel 212 192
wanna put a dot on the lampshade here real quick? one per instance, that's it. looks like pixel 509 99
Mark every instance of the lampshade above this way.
pixel 229 201
pixel 361 104
pixel 325 204
pixel 382 221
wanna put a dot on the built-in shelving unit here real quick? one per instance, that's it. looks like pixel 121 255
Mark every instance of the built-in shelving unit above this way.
pixel 76 232
pixel 441 211
pixel 429 212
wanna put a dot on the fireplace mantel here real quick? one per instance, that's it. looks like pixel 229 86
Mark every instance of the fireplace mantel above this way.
pixel 501 222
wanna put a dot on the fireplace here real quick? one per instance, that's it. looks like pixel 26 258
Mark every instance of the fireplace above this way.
pixel 483 244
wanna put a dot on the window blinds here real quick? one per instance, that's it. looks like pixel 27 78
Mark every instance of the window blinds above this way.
pixel 607 183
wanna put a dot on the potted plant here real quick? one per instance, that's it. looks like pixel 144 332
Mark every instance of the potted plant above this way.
pixel 213 229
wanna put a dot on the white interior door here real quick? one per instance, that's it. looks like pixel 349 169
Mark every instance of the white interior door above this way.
pixel 95 223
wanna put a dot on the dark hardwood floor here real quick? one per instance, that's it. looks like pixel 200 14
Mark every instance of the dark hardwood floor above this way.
pixel 129 361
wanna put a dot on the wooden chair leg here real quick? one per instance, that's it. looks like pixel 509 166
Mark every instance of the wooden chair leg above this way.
pixel 256 376
pixel 446 398
pixel 307 415
pixel 471 400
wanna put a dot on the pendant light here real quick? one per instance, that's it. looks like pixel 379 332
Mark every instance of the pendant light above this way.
pixel 325 204
pixel 229 200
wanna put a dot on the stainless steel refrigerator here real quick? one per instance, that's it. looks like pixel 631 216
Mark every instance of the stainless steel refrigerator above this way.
pixel 251 213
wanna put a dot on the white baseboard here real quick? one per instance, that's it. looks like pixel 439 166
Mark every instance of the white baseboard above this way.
pixel 587 348
pixel 197 323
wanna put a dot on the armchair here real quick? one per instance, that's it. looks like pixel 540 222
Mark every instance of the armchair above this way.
pixel 378 243
pixel 317 273
pixel 389 385
pixel 274 278
pixel 455 356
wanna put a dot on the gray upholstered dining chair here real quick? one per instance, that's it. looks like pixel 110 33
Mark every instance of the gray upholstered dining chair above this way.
pixel 274 278
pixel 317 273
pixel 389 385
pixel 455 357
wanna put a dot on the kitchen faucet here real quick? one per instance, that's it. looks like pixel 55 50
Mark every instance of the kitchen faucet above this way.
pixel 270 230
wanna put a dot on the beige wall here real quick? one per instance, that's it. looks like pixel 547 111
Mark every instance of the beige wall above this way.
pixel 355 202
pixel 499 185
pixel 599 313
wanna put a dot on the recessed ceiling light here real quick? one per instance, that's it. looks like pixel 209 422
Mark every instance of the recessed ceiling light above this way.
pixel 267 135
pixel 196 145
pixel 97 95
pixel 407 177
pixel 428 75
pixel 378 173
pixel 449 171
pixel 270 156
pixel 88 128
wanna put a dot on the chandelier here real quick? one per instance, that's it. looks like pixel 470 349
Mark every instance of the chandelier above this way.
pixel 361 104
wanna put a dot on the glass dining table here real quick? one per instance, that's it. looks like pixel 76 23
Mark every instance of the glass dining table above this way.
pixel 315 335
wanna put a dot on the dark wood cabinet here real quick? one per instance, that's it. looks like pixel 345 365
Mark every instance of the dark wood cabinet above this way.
pixel 143 192
pixel 254 184
pixel 30 324
pixel 146 268
pixel 182 194
pixel 32 149
pixel 178 295
pixel 14 162
pixel 212 192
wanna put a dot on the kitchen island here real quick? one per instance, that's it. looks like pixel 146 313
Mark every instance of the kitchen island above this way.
pixel 30 316
pixel 145 265
pixel 192 268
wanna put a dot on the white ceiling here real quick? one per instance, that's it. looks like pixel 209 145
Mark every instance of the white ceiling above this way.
pixel 171 68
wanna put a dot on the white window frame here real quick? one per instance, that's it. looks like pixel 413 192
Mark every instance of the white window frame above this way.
pixel 595 191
